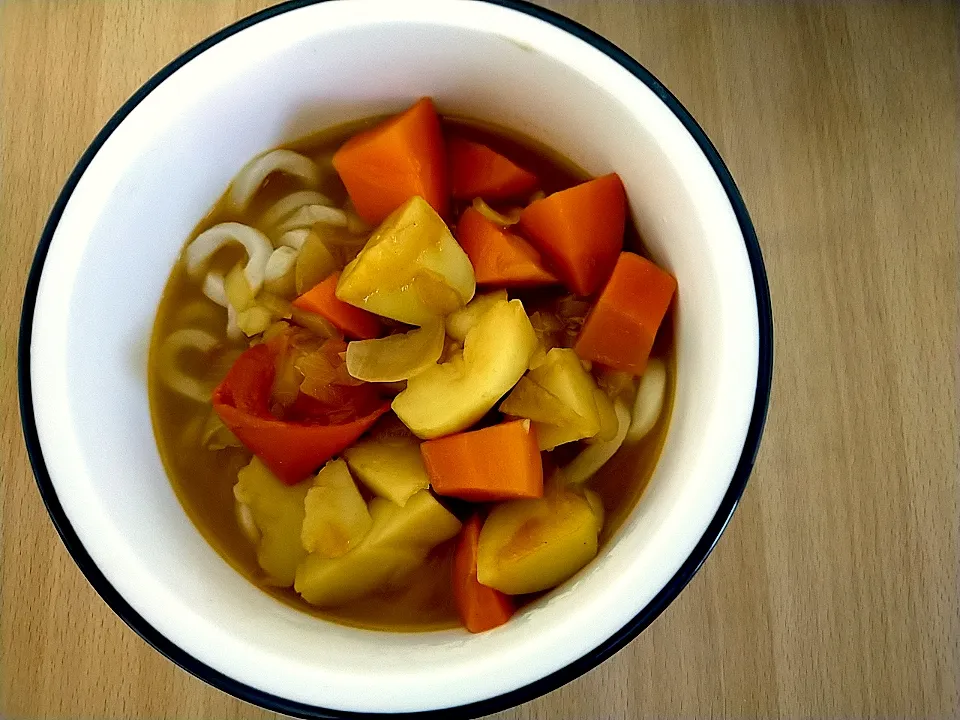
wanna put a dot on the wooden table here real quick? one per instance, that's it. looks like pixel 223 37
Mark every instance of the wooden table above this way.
pixel 834 591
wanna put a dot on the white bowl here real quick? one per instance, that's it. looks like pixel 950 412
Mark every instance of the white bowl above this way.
pixel 154 171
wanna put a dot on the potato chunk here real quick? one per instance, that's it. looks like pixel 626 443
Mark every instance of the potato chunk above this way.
pixel 453 396
pixel 397 543
pixel 462 321
pixel 277 510
pixel 391 467
pixel 336 517
pixel 531 545
pixel 411 268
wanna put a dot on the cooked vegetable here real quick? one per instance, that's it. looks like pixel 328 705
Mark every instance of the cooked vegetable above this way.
pixel 392 467
pixel 580 231
pixel 497 218
pixel 351 321
pixel 568 399
pixel 500 257
pixel 396 357
pixel 277 511
pixel 609 423
pixel 451 397
pixel 531 545
pixel 254 173
pixel 289 204
pixel 621 327
pixel 336 517
pixel 411 268
pixel 398 541
pixel 202 249
pixel 295 447
pixel 462 321
pixel 478 171
pixel 315 262
pixel 480 608
pixel 309 215
pixel 595 456
pixel 500 462
pixel 254 320
pixel 649 402
pixel 404 156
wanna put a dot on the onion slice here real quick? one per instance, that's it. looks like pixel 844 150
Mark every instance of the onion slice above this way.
pixel 200 251
pixel 251 176
pixel 289 204
pixel 310 215
pixel 649 403
pixel 593 457
pixel 396 357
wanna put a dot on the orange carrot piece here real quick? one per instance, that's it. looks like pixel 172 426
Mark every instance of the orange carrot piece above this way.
pixel 500 462
pixel 401 157
pixel 480 607
pixel 478 171
pixel 620 328
pixel 351 321
pixel 500 257
pixel 580 231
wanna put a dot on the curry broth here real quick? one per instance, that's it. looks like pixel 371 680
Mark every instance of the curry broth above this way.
pixel 203 479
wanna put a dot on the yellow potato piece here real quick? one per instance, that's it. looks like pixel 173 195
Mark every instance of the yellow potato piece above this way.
pixel 314 263
pixel 563 377
pixel 462 321
pixel 411 268
pixel 391 467
pixel 534 402
pixel 336 517
pixel 609 424
pixel 397 543
pixel 531 545
pixel 278 512
pixel 453 396
pixel 421 523
pixel 396 357
pixel 328 582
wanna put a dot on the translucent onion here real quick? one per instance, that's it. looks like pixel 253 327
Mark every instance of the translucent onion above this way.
pixel 314 263
pixel 248 525
pixel 310 215
pixel 177 343
pixel 288 204
pixel 649 403
pixel 396 357
pixel 254 320
pixel 585 465
pixel 202 249
pixel 512 218
pixel 248 181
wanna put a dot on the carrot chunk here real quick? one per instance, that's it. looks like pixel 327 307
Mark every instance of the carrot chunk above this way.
pixel 351 321
pixel 495 463
pixel 500 257
pixel 480 607
pixel 401 157
pixel 620 328
pixel 580 231
pixel 478 171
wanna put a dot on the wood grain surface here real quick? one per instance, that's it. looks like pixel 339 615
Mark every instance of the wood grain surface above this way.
pixel 834 592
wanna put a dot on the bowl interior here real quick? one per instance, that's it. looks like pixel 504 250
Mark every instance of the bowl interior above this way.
pixel 161 170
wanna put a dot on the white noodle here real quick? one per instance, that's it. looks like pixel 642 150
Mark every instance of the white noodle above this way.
pixel 595 456
pixel 173 377
pixel 206 244
pixel 288 204
pixel 233 326
pixel 281 262
pixel 295 238
pixel 251 176
pixel 310 215
pixel 649 403
pixel 215 289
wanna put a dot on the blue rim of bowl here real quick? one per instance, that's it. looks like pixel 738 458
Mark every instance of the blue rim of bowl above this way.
pixel 506 700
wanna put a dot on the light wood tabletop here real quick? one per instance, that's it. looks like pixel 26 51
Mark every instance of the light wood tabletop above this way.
pixel 834 592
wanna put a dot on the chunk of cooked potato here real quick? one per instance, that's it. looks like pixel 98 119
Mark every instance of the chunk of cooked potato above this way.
pixel 391 467
pixel 453 396
pixel 462 321
pixel 277 511
pixel 411 268
pixel 530 545
pixel 336 518
pixel 398 542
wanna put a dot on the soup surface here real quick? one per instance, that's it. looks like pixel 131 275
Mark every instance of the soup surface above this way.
pixel 486 460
